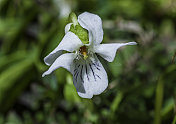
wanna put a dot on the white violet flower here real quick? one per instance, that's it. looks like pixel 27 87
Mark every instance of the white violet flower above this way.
pixel 89 76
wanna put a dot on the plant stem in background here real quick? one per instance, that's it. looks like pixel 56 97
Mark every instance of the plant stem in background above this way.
pixel 158 101
pixel 173 58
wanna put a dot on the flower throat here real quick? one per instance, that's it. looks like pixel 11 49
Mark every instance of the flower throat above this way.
pixel 83 52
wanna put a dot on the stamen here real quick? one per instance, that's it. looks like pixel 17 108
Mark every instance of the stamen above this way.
pixel 83 51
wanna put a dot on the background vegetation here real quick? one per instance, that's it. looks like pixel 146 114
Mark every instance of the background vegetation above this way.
pixel 142 79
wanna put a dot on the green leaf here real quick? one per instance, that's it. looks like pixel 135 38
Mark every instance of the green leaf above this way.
pixel 9 82
pixel 13 118
pixel 168 107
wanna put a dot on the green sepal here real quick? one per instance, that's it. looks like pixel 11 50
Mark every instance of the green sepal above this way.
pixel 73 18
pixel 81 33
pixel 77 29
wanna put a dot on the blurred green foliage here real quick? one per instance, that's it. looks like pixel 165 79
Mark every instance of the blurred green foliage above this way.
pixel 142 78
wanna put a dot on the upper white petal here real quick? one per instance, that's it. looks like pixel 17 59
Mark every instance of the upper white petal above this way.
pixel 65 61
pixel 93 24
pixel 108 51
pixel 67 27
pixel 70 43
pixel 89 77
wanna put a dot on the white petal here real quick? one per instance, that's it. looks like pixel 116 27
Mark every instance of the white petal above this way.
pixel 93 24
pixel 65 61
pixel 70 43
pixel 108 51
pixel 89 77
pixel 67 27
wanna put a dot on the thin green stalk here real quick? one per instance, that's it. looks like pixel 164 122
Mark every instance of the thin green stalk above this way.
pixel 174 121
pixel 116 102
pixel 158 101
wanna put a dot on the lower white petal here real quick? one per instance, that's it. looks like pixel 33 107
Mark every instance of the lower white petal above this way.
pixel 65 61
pixel 108 51
pixel 70 42
pixel 89 77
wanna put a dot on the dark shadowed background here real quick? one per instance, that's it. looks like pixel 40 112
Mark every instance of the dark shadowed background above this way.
pixel 142 78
